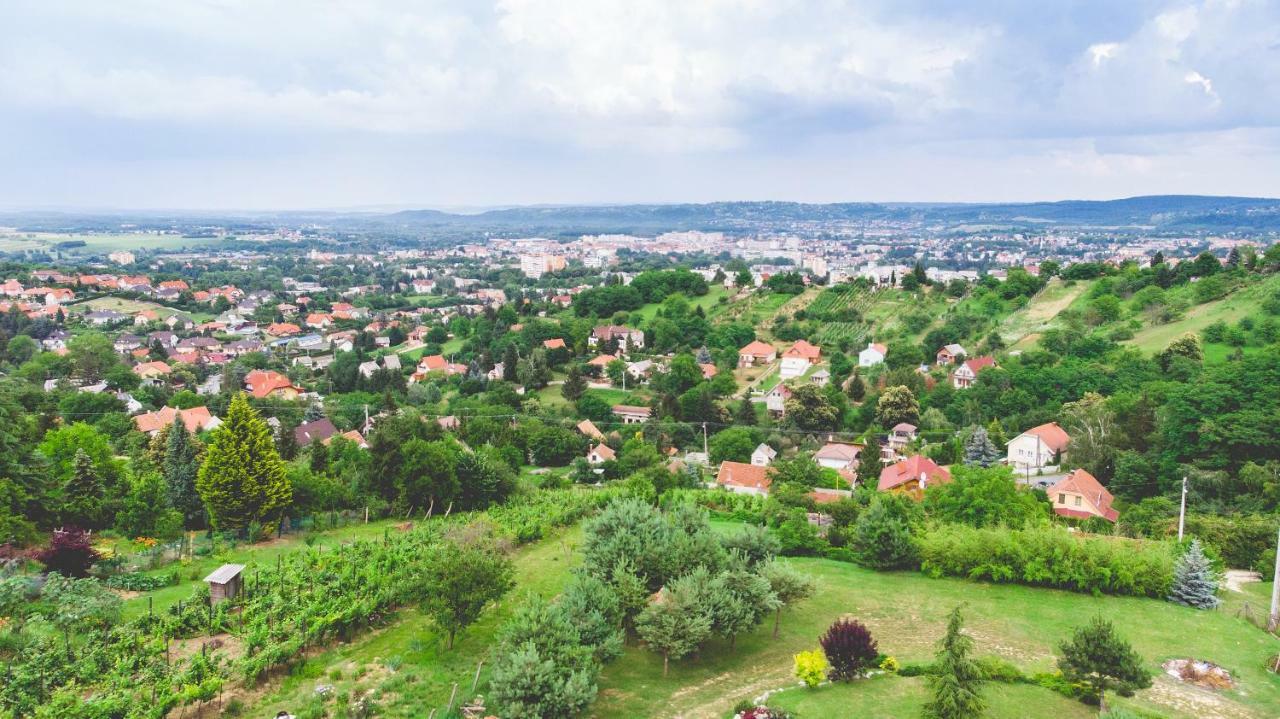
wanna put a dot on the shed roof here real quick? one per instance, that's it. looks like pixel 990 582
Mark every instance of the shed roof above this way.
pixel 225 573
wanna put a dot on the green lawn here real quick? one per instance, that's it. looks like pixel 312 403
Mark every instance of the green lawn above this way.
pixel 906 611
pixel 1245 301
pixel 706 302
pixel 1040 313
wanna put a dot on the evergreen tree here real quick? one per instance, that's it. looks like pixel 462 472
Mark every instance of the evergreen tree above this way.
pixel 957 679
pixel 745 414
pixel 84 492
pixel 180 469
pixel 242 479
pixel 788 585
pixel 995 432
pixel 575 384
pixel 979 449
pixel 869 463
pixel 1099 657
pixel 1157 259
pixel 857 387
pixel 675 623
pixel 543 669
pixel 882 535
pixel 704 354
pixel 287 443
pixel 1194 582
pixel 510 360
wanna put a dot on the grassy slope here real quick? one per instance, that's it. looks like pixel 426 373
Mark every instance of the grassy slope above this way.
pixel 1229 309
pixel 706 302
pixel 885 696
pixel 1021 329
pixel 907 611
pixel 425 671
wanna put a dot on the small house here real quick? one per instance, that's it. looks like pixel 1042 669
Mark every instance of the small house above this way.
pixel 763 455
pixel 225 583
pixel 873 355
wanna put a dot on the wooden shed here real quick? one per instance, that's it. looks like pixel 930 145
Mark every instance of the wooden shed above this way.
pixel 225 582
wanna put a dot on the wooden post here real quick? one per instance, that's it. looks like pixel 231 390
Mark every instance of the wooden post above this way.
pixel 366 514
pixel 452 696
pixel 476 682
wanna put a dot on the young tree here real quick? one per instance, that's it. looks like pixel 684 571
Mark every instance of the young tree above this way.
pixel 242 479
pixel 850 649
pixel 180 467
pixel 1099 657
pixel 674 623
pixel 575 384
pixel 542 668
pixel 460 580
pixel 856 387
pixel 897 404
pixel 979 449
pixel 957 680
pixel 870 465
pixel 1194 582
pixel 742 600
pixel 882 536
pixel 788 585
pixel 754 543
pixel 70 553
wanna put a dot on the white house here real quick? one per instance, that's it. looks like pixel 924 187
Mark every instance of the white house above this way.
pixel 1038 447
pixel 837 455
pixel 874 354
pixel 776 400
pixel 763 455
pixel 798 358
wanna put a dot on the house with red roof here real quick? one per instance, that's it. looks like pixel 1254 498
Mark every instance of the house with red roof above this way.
pixel 152 372
pixel 196 419
pixel 912 476
pixel 744 478
pixel 1038 447
pixel 555 343
pixel 873 355
pixel 838 455
pixel 265 383
pixel 1080 495
pixel 798 358
pixel 757 353
pixel 600 454
pixel 966 374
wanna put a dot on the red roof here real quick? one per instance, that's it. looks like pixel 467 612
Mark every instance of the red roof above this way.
pixel 1053 436
pixel 433 363
pixel 739 474
pixel 553 344
pixel 977 364
pixel 803 349
pixel 1083 483
pixel 602 360
pixel 262 383
pixel 758 349
pixel 195 419
pixel 910 469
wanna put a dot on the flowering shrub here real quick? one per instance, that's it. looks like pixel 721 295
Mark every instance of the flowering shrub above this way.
pixel 762 712
pixel 811 667
pixel 889 664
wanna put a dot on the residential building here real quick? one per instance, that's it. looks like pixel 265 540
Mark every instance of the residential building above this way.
pixel 1079 495
pixel 912 476
pixel 838 456
pixel 873 355
pixel 744 478
pixel 1038 447
pixel 196 419
pixel 798 358
pixel 967 373
pixel 950 354
pixel 757 353
pixel 630 414
pixel 319 430
pixel 600 454
pixel 763 455
pixel 609 337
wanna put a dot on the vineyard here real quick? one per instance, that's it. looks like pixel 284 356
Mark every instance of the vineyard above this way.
pixel 69 654
pixel 840 312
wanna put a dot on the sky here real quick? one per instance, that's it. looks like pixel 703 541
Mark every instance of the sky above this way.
pixel 296 104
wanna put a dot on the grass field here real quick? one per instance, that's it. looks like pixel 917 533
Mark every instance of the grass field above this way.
pixel 1021 329
pixel 99 243
pixel 1229 309
pixel 906 611
pixel 888 696
pixel 119 304
pixel 706 302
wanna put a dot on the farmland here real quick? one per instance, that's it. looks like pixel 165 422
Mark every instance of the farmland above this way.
pixel 98 243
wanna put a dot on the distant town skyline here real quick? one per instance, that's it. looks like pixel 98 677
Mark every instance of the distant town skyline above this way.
pixel 453 104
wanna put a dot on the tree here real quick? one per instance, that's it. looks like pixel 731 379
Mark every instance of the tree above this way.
pixel 850 649
pixel 575 384
pixel 146 511
pixel 956 683
pixel 809 409
pixel 534 372
pixel 70 553
pixel 1099 657
pixel 510 360
pixel 242 479
pixel 857 387
pixel 1092 427
pixel 460 580
pixel 1194 583
pixel 742 599
pixel 745 413
pixel 675 622
pixel 1187 346
pixel 870 464
pixel 92 355
pixel 979 450
pixel 755 544
pixel 788 585
pixel 983 498
pixel 734 444
pixel 84 493
pixel 180 467
pixel 897 404
pixel 882 535
pixel 542 668
pixel 428 475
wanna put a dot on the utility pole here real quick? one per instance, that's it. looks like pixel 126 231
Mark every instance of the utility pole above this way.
pixel 1273 621
pixel 1182 510
pixel 704 440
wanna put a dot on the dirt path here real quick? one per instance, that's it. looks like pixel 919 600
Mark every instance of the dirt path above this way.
pixel 1235 579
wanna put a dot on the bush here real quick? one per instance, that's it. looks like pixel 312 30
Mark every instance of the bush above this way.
pixel 70 553
pixel 1049 557
pixel 850 649
pixel 811 667
pixel 882 536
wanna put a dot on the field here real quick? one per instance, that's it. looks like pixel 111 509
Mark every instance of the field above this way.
pixel 884 696
pixel 1021 329
pixel 707 302
pixel 119 304
pixel 907 611
pixel 1229 309
pixel 98 243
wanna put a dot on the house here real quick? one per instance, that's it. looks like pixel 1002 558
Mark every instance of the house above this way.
pixel 554 344
pixel 708 370
pixel 266 383
pixel 631 414
pixel 178 285
pixel 368 368
pixel 763 455
pixel 798 358
pixel 283 329
pixel 318 320
pixel 1079 495
pixel 912 476
pixel 838 456
pixel 743 478
pixel 152 373
pixel 196 419
pixel 319 430
pixel 56 340
pixel 1038 447
pixel 776 400
pixel 610 336
pixel 821 378
pixel 902 434
pixel 640 370
pixel 127 343
pixel 873 355
pixel 601 361
pixel 391 362
pixel 756 353
pixel 600 454
pixel 351 436
pixel 101 318
pixel 950 354
pixel 589 429
pixel 967 373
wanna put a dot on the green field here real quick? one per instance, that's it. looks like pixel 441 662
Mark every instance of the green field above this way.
pixel 706 302
pixel 99 243
pixel 1246 301
pixel 1021 329
pixel 887 696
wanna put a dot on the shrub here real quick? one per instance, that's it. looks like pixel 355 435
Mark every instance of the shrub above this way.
pixel 1049 557
pixel 811 667
pixel 882 536
pixel 850 649
pixel 70 553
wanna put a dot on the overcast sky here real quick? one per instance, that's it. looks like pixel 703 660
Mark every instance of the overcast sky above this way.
pixel 439 103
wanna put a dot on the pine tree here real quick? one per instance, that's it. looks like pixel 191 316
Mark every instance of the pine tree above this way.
pixel 242 479
pixel 1194 583
pixel 1099 657
pixel 869 463
pixel 979 449
pixel 704 354
pixel 745 414
pixel 180 468
pixel 85 493
pixel 673 625
pixel 575 384
pixel 857 387
pixel 957 680
pixel 995 432
pixel 509 361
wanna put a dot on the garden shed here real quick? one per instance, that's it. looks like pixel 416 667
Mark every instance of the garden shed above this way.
pixel 225 582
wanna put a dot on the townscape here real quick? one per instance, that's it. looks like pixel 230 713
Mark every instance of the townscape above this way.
pixel 313 470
